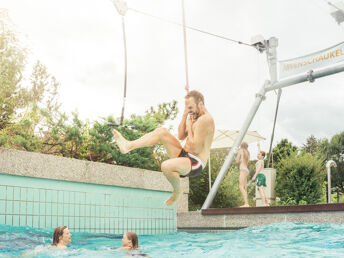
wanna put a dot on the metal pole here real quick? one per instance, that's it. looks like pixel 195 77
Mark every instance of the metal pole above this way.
pixel 310 76
pixel 209 170
pixel 328 166
pixel 271 53
pixel 229 159
pixel 272 62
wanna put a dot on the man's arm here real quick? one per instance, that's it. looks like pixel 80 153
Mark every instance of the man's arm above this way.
pixel 196 138
pixel 182 133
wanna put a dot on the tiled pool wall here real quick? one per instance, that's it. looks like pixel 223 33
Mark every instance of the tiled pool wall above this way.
pixel 45 191
pixel 45 203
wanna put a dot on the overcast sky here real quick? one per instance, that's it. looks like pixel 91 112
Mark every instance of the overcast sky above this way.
pixel 80 42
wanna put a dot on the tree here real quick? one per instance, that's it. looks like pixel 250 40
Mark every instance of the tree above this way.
pixel 311 145
pixel 334 149
pixel 30 118
pixel 283 150
pixel 300 179
pixel 12 63
pixel 33 113
pixel 102 149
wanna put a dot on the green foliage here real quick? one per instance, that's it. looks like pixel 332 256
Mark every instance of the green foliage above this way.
pixel 311 145
pixel 165 111
pixel 283 150
pixel 12 64
pixel 228 194
pixel 300 179
pixel 334 150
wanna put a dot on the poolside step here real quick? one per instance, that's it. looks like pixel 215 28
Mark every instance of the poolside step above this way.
pixel 236 218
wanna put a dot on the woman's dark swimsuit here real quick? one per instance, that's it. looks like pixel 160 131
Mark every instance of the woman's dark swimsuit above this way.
pixel 197 165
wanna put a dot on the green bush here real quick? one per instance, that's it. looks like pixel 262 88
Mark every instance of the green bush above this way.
pixel 300 180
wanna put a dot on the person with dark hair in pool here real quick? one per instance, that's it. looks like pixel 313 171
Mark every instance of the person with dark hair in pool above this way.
pixel 61 237
pixel 197 127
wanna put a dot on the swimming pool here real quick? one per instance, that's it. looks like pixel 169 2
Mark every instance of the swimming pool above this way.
pixel 275 240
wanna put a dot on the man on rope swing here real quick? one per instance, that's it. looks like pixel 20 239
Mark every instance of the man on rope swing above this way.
pixel 197 125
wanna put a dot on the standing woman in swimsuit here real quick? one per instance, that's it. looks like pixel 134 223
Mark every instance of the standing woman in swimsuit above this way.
pixel 242 159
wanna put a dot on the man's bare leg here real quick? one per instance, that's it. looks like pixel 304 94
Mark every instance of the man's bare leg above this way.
pixel 172 169
pixel 173 178
pixel 162 135
pixel 242 187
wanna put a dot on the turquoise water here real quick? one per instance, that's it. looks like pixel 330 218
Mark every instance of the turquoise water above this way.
pixel 275 240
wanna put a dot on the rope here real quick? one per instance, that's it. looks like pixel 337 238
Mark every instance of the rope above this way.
pixel 125 70
pixel 187 87
pixel 273 128
pixel 191 28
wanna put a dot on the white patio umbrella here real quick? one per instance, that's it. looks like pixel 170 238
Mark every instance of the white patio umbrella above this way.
pixel 226 139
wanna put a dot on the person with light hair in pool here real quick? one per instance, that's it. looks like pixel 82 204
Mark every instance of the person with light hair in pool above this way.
pixel 260 177
pixel 130 245
pixel 242 159
pixel 197 127
pixel 61 237
pixel 130 242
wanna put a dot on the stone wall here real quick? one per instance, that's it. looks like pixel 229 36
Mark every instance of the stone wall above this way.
pixel 31 164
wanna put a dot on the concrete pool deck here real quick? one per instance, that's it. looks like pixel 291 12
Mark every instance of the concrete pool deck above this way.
pixel 236 218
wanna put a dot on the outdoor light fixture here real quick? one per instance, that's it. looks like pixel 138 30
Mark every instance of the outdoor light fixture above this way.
pixel 259 43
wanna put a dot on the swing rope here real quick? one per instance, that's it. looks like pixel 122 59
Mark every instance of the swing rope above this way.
pixel 274 125
pixel 191 28
pixel 125 70
pixel 187 87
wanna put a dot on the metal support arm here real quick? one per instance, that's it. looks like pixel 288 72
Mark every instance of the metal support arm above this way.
pixel 229 159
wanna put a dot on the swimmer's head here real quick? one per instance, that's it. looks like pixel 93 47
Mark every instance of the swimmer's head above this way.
pixel 130 240
pixel 61 236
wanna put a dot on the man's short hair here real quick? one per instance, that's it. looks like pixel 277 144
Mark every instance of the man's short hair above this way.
pixel 198 97
pixel 263 153
pixel 244 145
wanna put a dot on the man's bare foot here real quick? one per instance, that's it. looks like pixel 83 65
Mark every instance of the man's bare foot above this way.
pixel 173 198
pixel 244 206
pixel 121 142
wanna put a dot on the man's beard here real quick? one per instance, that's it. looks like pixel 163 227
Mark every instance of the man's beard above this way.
pixel 196 114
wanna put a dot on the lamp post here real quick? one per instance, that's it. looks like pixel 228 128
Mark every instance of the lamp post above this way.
pixel 329 164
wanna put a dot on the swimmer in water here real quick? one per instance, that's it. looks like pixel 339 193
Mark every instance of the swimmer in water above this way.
pixel 61 237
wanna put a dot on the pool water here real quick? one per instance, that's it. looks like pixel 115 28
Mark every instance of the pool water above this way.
pixel 275 240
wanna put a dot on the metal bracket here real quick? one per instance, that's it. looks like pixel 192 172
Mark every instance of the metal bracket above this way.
pixel 259 95
pixel 121 6
pixel 310 77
